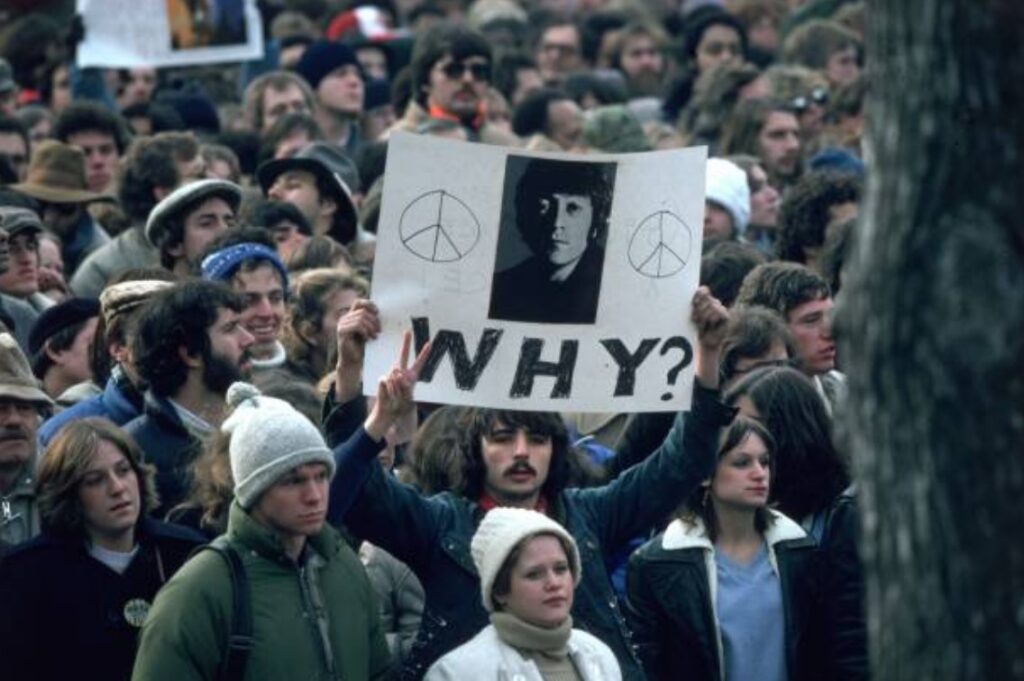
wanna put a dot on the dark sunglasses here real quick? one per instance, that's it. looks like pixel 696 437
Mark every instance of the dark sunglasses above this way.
pixel 818 95
pixel 480 71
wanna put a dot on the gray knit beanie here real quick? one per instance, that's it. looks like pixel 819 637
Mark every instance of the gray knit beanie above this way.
pixel 499 532
pixel 268 439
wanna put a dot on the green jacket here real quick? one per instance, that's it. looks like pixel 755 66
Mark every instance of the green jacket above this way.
pixel 295 611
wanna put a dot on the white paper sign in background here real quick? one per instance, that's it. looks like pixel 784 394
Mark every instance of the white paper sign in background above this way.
pixel 126 33
pixel 439 236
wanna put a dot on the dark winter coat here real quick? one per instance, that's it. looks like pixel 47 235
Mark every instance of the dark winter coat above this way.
pixel 671 587
pixel 66 615
pixel 119 402
pixel 167 444
pixel 846 644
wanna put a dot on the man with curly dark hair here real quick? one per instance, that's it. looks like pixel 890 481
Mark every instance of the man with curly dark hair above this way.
pixel 189 347
pixel 815 200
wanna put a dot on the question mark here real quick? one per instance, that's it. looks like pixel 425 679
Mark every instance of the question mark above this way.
pixel 673 373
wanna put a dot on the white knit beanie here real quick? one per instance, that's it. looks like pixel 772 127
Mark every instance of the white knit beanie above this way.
pixel 268 439
pixel 726 184
pixel 503 528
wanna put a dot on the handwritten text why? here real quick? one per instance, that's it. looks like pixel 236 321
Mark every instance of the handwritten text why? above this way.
pixel 468 369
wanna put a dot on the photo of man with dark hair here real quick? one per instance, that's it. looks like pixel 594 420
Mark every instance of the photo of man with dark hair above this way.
pixel 559 210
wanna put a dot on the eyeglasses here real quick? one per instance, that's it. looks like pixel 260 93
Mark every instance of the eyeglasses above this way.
pixel 455 70
pixel 818 95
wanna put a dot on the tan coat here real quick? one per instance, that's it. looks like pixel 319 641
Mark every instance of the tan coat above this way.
pixel 415 115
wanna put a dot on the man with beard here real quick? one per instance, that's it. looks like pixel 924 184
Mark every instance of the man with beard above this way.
pixel 768 129
pixel 21 404
pixel 638 52
pixel 189 346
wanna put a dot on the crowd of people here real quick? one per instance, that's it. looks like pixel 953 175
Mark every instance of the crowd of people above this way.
pixel 193 482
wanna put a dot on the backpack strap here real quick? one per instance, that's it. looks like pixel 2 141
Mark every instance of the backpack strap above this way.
pixel 240 640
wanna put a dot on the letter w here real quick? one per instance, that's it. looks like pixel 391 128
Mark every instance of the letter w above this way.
pixel 452 344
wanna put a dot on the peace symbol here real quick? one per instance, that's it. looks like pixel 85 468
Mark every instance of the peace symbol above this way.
pixel 660 245
pixel 438 227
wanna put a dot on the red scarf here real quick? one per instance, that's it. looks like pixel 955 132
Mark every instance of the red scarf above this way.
pixel 487 502
pixel 478 121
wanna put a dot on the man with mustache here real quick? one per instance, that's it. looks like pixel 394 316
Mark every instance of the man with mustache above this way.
pixel 451 74
pixel 768 129
pixel 189 347
pixel 518 459
pixel 21 406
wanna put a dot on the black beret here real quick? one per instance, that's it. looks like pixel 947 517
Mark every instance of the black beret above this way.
pixel 59 317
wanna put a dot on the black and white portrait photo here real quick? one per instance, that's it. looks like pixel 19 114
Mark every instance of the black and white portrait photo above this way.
pixel 551 242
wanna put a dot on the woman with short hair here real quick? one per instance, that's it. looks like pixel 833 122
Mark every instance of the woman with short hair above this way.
pixel 72 600
pixel 529 567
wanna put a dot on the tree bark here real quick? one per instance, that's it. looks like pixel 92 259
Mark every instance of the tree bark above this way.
pixel 931 327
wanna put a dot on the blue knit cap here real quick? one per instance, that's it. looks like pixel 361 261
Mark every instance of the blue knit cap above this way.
pixel 221 265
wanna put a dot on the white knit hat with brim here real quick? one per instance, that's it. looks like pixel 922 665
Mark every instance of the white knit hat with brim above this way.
pixel 268 439
pixel 726 184
pixel 503 528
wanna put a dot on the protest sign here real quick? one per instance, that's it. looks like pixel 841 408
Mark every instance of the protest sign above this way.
pixel 126 33
pixel 545 281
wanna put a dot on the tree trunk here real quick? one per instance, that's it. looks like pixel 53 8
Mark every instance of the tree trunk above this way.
pixel 931 325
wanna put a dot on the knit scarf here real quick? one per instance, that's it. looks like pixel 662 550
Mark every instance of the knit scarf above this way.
pixel 547 648
pixel 477 122
pixel 487 503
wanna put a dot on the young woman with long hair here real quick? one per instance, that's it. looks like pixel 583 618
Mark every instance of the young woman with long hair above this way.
pixel 730 589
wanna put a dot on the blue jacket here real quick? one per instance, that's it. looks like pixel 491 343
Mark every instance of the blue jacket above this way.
pixel 118 402
pixel 432 535
pixel 167 444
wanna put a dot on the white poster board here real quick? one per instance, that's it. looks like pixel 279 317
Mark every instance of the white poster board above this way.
pixel 126 33
pixel 456 262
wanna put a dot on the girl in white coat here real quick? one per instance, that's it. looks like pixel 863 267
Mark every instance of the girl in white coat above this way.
pixel 529 567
